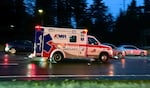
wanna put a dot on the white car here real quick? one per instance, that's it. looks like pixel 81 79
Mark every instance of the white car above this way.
pixel 118 54
pixel 132 50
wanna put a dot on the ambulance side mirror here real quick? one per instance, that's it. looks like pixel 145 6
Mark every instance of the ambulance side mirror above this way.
pixel 96 43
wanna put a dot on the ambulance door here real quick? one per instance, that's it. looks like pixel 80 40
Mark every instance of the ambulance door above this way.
pixel 82 46
pixel 92 48
pixel 72 46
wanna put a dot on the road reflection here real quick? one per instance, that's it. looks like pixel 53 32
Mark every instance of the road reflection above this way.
pixel 44 69
pixel 21 68
pixel 35 69
pixel 5 59
pixel 111 70
pixel 123 63
pixel 31 70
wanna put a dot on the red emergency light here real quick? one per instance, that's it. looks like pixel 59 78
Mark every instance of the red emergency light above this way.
pixel 38 28
pixel 84 31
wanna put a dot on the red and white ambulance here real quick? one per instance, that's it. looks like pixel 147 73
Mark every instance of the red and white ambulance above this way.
pixel 59 43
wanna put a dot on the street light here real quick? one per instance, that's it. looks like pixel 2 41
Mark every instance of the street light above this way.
pixel 40 11
pixel 12 26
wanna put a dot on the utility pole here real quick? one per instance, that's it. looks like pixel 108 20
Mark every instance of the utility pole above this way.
pixel 40 11
pixel 124 5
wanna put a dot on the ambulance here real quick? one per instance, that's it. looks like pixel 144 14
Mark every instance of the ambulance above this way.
pixel 58 44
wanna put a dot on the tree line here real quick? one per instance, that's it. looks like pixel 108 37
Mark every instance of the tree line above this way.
pixel 18 18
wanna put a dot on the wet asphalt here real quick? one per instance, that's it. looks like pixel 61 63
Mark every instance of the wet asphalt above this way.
pixel 20 67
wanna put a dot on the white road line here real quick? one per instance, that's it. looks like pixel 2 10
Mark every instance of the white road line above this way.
pixel 8 64
pixel 52 76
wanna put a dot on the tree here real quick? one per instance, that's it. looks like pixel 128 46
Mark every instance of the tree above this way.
pixel 78 11
pixel 55 12
pixel 120 27
pixel 129 24
pixel 98 13
pixel 100 18
pixel 46 17
pixel 8 20
pixel 29 6
pixel 60 12
pixel 7 14
pixel 20 15
pixel 63 13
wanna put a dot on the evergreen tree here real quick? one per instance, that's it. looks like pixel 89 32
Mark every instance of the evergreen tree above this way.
pixel 98 13
pixel 132 23
pixel 100 19
pixel 78 10
pixel 121 27
pixel 63 13
pixel 8 21
pixel 20 15
pixel 55 13
pixel 29 6
pixel 7 14
pixel 128 24
pixel 46 17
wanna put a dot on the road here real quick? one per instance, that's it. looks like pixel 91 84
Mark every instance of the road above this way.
pixel 19 67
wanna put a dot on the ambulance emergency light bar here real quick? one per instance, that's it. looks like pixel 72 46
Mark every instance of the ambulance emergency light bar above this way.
pixel 38 27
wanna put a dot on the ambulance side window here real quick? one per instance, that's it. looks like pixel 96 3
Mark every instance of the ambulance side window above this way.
pixel 92 41
pixel 73 38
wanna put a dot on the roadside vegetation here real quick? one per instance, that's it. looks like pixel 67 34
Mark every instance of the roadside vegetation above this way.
pixel 76 84
pixel 19 17
pixel 1 47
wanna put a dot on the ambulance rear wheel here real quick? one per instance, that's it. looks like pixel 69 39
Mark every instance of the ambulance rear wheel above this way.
pixel 104 57
pixel 58 57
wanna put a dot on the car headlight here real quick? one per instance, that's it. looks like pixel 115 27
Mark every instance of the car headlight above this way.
pixel 6 49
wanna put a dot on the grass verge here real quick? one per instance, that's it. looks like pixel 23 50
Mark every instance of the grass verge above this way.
pixel 77 84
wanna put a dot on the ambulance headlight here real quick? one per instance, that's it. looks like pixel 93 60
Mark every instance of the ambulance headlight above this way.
pixel 31 55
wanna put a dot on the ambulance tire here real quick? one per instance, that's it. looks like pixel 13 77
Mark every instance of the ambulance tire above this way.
pixel 104 57
pixel 142 54
pixel 58 56
pixel 120 56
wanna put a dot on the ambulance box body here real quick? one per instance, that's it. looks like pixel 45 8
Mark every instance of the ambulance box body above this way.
pixel 60 43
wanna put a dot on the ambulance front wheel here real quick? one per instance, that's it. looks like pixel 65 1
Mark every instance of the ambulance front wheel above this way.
pixel 104 57
pixel 58 56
